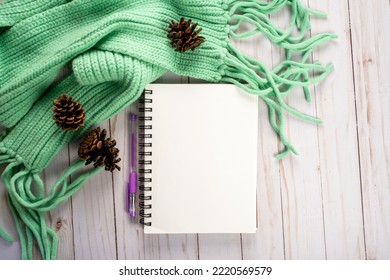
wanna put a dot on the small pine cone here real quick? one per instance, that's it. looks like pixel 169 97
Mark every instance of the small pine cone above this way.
pixel 183 35
pixel 96 148
pixel 68 114
pixel 92 143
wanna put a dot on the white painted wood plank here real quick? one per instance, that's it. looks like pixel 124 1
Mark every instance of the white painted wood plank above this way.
pixel 93 214
pixel 337 137
pixel 300 180
pixel 220 247
pixel 171 247
pixel 60 219
pixel 268 241
pixel 371 56
pixel 132 243
pixel 129 235
pixel 301 198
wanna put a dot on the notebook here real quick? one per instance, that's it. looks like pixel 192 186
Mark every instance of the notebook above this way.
pixel 198 159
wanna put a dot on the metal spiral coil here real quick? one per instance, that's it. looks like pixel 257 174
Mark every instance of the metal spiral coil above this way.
pixel 145 153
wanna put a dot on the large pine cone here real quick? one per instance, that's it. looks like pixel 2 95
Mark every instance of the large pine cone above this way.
pixel 68 114
pixel 96 148
pixel 183 36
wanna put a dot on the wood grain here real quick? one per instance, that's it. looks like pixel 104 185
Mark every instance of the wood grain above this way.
pixel 303 226
pixel 61 218
pixel 268 242
pixel 371 57
pixel 94 214
pixel 337 137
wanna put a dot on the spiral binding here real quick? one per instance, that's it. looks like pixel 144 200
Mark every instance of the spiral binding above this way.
pixel 145 145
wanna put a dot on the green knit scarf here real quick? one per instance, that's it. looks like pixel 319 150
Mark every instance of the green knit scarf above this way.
pixel 117 47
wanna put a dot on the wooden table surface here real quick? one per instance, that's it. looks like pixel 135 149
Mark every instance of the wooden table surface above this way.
pixel 331 202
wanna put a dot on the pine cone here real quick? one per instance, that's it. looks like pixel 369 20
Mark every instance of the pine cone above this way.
pixel 183 36
pixel 96 148
pixel 68 114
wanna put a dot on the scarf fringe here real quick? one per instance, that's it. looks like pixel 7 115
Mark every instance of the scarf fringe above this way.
pixel 273 86
pixel 3 133
pixel 28 203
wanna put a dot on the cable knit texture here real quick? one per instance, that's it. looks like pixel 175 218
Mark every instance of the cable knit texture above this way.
pixel 117 47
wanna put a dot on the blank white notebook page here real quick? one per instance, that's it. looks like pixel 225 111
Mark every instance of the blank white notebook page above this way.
pixel 204 159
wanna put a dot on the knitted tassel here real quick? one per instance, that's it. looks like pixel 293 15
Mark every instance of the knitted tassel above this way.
pixel 28 208
pixel 5 236
pixel 273 86
pixel 3 133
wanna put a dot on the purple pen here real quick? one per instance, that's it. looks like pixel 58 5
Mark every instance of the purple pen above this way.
pixel 132 184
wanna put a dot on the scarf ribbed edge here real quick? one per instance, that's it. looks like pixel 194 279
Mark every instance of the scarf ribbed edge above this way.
pixel 28 208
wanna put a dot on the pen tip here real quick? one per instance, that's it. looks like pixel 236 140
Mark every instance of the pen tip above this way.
pixel 133 117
